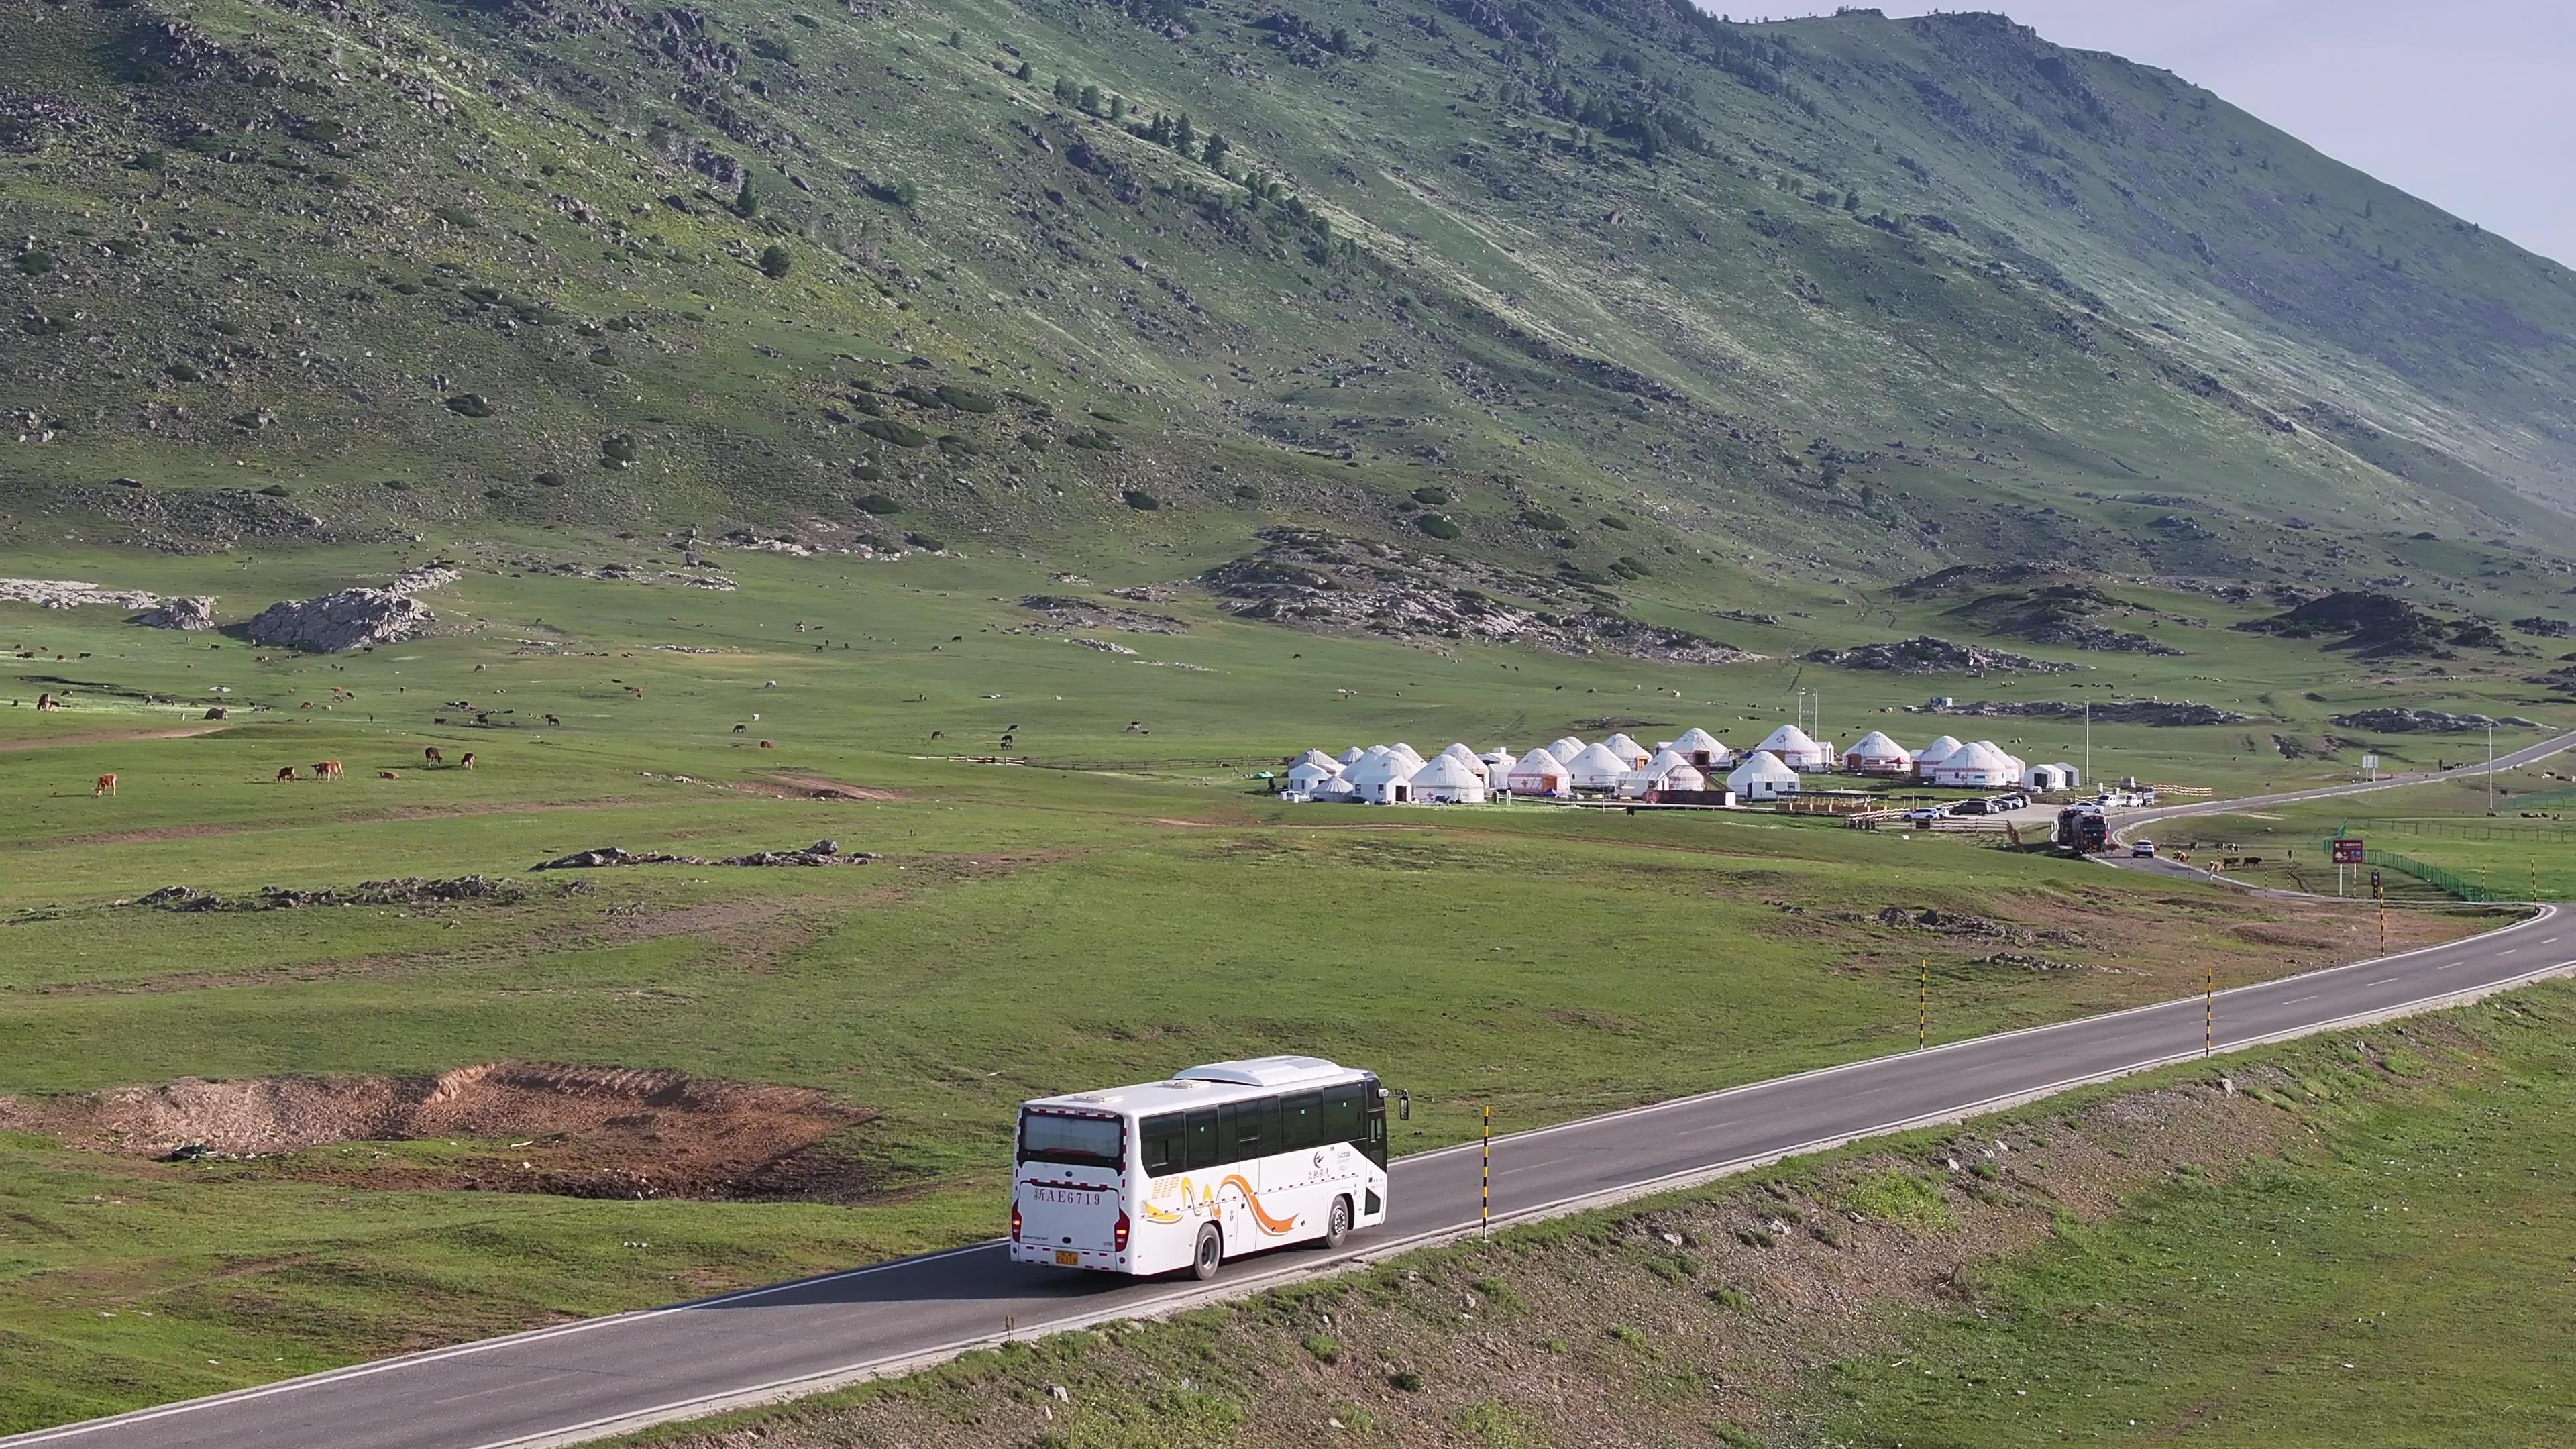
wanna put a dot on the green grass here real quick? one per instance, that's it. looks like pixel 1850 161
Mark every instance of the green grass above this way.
pixel 1028 931
pixel 2514 853
pixel 2398 1280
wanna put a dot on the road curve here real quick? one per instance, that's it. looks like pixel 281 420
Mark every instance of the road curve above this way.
pixel 588 1379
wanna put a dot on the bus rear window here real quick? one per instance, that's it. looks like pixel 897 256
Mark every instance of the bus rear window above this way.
pixel 1077 1141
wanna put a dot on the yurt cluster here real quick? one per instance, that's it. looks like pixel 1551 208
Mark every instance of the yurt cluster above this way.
pixel 1694 769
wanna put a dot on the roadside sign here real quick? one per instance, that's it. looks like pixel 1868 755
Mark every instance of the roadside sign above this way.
pixel 2370 762
pixel 2347 850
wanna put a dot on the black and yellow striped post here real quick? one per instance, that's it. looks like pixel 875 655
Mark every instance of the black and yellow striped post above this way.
pixel 1485 1189
pixel 2379 894
pixel 2209 1015
pixel 1923 1006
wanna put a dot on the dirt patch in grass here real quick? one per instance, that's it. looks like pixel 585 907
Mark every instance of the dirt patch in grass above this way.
pixel 101 737
pixel 815 787
pixel 502 1126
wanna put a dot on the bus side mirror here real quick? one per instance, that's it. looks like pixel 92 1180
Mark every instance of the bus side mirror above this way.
pixel 1404 1106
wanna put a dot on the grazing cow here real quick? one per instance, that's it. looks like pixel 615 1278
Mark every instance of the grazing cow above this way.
pixel 286 772
pixel 327 770
pixel 433 756
pixel 550 719
pixel 389 774
pixel 766 745
pixel 738 729
pixel 467 762
pixel 106 786
pixel 937 734
pixel 47 701
pixel 636 690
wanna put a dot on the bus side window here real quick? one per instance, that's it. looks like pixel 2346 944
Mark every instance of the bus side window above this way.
pixel 1159 1143
pixel 1255 1126
pixel 1342 1113
pixel 1301 1121
pixel 1201 1147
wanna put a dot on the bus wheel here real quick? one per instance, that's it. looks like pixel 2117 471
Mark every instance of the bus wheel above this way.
pixel 1337 1224
pixel 1211 1252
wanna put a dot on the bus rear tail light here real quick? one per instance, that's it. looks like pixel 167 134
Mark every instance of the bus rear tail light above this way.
pixel 1118 1235
pixel 1015 1222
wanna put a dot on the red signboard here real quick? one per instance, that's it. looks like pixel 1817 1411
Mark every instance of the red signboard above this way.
pixel 2347 850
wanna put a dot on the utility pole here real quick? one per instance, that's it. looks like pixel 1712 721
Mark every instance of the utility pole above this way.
pixel 2088 738
pixel 1485 1192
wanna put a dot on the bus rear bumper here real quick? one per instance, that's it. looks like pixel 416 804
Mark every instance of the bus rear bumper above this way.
pixel 1044 1256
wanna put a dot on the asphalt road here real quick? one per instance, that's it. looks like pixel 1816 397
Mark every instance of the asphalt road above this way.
pixel 587 1379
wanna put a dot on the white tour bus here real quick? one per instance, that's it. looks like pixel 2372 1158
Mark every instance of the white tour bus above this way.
pixel 1219 1161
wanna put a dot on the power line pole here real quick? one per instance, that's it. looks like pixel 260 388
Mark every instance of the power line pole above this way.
pixel 1485 1192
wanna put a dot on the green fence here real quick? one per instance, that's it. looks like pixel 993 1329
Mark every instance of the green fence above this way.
pixel 2449 882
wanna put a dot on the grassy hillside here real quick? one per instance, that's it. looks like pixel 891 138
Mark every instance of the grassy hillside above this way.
pixel 1610 282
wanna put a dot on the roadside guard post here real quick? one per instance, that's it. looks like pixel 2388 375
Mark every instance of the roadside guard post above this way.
pixel 1485 1186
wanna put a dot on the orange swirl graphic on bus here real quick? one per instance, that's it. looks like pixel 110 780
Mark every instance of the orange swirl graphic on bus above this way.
pixel 1251 1199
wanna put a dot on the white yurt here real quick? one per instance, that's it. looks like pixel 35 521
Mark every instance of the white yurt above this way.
pixel 1350 756
pixel 1408 751
pixel 1338 790
pixel 1627 749
pixel 1538 773
pixel 1381 776
pixel 1683 777
pixel 1763 777
pixel 1313 768
pixel 1565 749
pixel 1795 748
pixel 1597 768
pixel 1941 748
pixel 1876 754
pixel 1978 766
pixel 1446 780
pixel 1704 750
pixel 1497 765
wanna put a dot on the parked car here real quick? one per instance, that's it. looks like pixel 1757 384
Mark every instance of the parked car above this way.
pixel 1295 797
pixel 1927 814
pixel 1969 807
pixel 2142 850
pixel 2012 802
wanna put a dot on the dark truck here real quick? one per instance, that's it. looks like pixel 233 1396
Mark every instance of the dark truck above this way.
pixel 2082 832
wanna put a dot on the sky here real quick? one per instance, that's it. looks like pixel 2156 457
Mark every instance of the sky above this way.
pixel 2470 104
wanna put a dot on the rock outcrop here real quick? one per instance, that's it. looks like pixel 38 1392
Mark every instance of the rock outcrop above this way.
pixel 195 612
pixel 1925 654
pixel 2426 721
pixel 72 594
pixel 352 618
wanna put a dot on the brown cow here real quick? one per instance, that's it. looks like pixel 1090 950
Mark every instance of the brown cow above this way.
pixel 550 719
pixel 106 786
pixel 389 774
pixel 47 701
pixel 433 756
pixel 327 770
pixel 766 745
pixel 286 772
pixel 467 762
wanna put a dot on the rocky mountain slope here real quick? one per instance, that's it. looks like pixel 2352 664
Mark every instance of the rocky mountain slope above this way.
pixel 1612 282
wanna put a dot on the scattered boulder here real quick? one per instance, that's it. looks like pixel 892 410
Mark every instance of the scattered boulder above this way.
pixel 2125 711
pixel 410 891
pixel 1925 654
pixel 73 594
pixel 2378 626
pixel 1066 612
pixel 348 619
pixel 821 852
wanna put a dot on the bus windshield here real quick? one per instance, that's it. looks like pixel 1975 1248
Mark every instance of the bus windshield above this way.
pixel 1077 1141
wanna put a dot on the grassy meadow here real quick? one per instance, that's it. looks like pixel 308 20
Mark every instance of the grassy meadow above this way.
pixel 1026 930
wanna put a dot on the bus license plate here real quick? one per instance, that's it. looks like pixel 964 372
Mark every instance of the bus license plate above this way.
pixel 1067 1258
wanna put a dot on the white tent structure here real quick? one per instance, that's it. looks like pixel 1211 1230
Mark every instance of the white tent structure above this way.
pixel 1351 756
pixel 1683 777
pixel 1627 749
pixel 1408 751
pixel 1312 769
pixel 1538 773
pixel 1876 754
pixel 1335 791
pixel 1497 765
pixel 2048 777
pixel 1795 748
pixel 1978 766
pixel 1565 749
pixel 1465 756
pixel 1382 777
pixel 1446 780
pixel 1656 774
pixel 1704 750
pixel 1763 777
pixel 1597 768
pixel 1941 748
